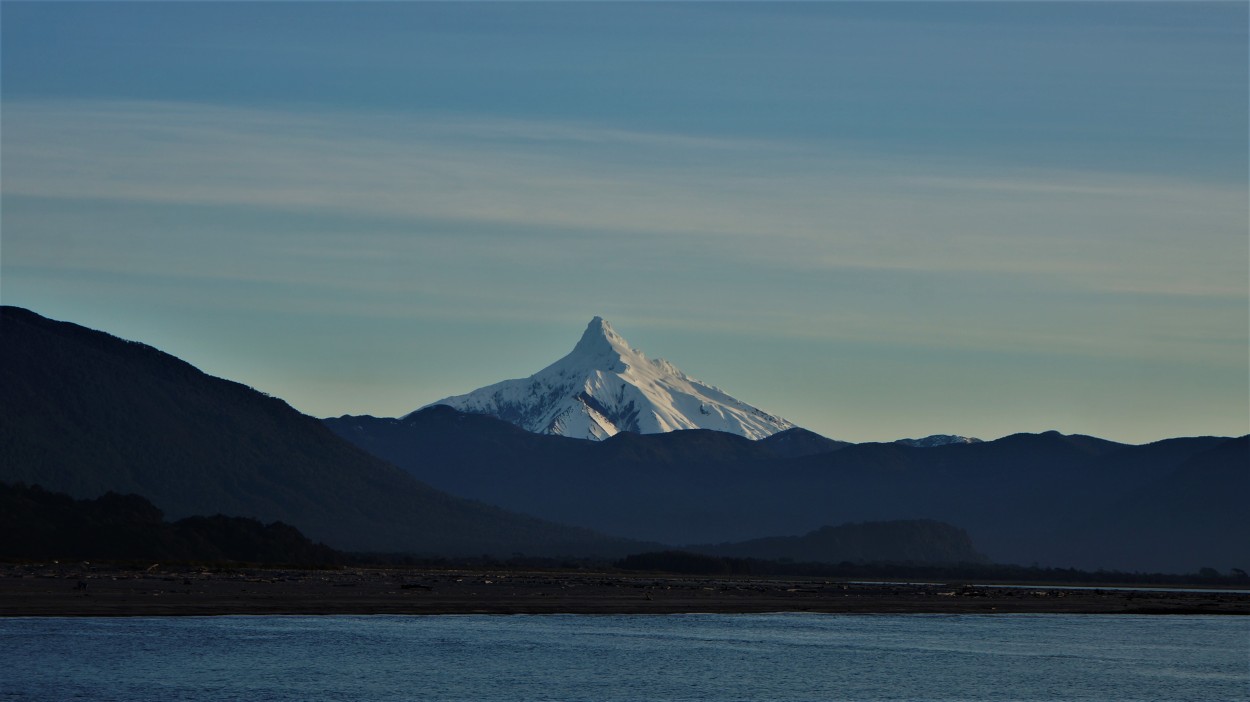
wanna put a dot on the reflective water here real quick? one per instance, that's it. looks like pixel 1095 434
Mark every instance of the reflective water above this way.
pixel 681 657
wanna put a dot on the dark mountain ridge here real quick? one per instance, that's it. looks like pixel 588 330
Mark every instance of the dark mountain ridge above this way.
pixel 798 441
pixel 1206 494
pixel 1018 496
pixel 86 413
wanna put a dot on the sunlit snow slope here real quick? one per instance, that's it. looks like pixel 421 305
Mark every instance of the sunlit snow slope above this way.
pixel 604 387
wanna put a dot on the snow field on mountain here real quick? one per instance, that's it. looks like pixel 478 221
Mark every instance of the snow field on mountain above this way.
pixel 604 386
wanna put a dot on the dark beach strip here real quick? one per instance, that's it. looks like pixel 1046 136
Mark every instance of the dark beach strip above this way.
pixel 71 590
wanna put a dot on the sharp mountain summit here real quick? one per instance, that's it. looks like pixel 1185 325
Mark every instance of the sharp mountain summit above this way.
pixel 604 387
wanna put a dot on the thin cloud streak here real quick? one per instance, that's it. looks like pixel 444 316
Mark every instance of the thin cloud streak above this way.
pixel 431 217
pixel 762 200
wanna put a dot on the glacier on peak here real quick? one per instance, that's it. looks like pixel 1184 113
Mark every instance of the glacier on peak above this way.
pixel 604 386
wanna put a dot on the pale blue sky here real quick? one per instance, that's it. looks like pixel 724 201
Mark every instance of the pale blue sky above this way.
pixel 876 220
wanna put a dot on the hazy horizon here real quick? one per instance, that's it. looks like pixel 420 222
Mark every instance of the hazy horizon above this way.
pixel 874 220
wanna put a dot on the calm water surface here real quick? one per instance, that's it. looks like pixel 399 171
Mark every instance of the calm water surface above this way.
pixel 680 657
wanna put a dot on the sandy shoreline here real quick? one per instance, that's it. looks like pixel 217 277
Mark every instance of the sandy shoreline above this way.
pixel 63 590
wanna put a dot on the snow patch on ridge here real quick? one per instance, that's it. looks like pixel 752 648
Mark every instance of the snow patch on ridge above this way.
pixel 938 440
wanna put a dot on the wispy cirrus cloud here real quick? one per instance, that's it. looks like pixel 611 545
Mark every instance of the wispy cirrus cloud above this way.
pixel 372 213
pixel 831 205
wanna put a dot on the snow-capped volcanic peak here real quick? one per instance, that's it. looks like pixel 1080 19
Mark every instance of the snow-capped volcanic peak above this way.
pixel 603 386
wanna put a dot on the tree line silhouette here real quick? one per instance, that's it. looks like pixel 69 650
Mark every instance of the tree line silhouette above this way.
pixel 36 524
